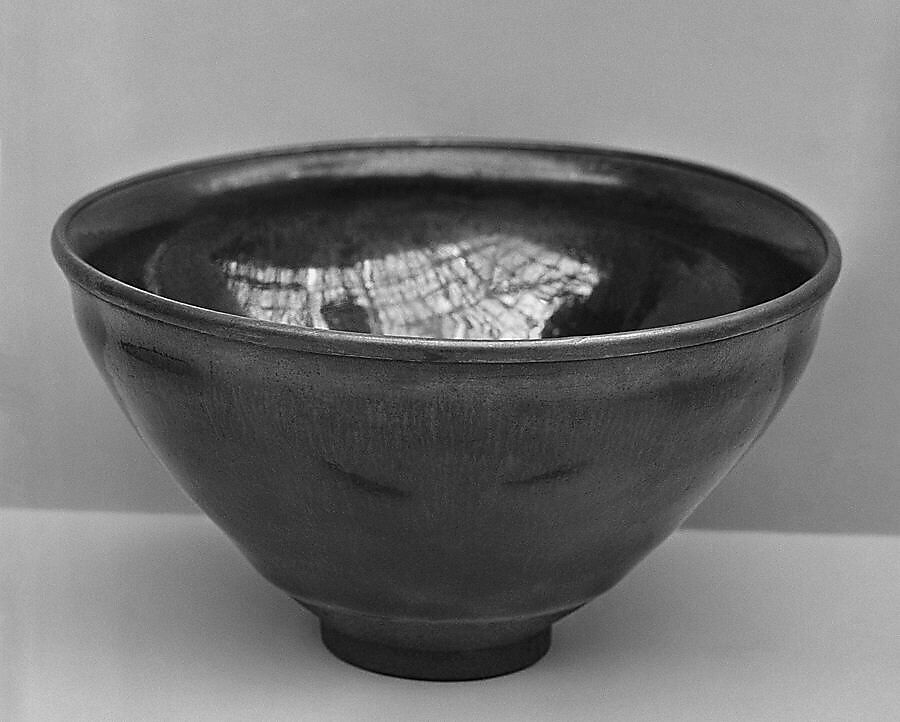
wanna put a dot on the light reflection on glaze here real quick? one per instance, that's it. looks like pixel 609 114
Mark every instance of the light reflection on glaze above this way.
pixel 490 287
pixel 439 258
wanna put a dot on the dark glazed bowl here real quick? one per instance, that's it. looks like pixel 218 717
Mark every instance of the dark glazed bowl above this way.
pixel 445 393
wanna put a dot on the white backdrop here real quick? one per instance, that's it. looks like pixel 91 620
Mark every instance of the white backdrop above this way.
pixel 803 95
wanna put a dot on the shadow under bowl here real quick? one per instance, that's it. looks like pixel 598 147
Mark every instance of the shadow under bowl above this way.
pixel 444 393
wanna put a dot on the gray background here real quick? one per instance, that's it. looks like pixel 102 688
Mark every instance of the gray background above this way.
pixel 803 95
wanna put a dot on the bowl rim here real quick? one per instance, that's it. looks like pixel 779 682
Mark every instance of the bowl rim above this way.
pixel 408 348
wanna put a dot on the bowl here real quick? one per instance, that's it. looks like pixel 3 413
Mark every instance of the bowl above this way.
pixel 444 393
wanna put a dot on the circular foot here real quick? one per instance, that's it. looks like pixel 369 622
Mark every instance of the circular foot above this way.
pixel 437 665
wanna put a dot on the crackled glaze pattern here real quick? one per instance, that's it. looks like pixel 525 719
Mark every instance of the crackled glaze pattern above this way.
pixel 440 259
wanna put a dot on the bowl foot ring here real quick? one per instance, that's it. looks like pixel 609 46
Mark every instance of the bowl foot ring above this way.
pixel 437 665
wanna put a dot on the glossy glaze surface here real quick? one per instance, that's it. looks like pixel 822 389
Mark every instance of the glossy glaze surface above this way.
pixel 439 503
pixel 454 259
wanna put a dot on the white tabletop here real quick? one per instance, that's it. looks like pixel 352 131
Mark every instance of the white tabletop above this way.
pixel 144 617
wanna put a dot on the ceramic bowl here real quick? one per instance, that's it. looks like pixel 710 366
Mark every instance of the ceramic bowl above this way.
pixel 444 393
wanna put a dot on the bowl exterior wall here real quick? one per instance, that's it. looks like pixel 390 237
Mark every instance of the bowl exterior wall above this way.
pixel 442 491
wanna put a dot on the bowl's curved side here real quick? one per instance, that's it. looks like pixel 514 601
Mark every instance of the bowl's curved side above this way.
pixel 451 505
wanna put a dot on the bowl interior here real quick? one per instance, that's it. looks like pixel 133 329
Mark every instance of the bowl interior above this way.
pixel 454 256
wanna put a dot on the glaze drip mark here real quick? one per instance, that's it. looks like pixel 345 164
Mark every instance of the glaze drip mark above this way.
pixel 158 360
pixel 376 488
pixel 563 473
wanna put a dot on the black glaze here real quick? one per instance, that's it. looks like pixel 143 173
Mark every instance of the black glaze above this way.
pixel 536 261
pixel 437 503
